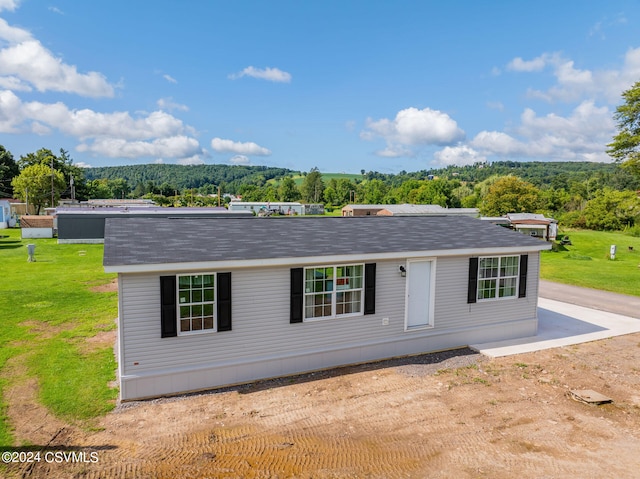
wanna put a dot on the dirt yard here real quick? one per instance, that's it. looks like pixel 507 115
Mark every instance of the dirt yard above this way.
pixel 447 415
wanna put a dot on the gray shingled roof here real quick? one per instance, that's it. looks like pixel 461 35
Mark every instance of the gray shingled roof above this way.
pixel 145 241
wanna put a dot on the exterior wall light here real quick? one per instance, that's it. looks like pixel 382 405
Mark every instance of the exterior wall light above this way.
pixel 403 271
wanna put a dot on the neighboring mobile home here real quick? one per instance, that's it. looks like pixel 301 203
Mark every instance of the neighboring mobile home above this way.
pixel 215 302
pixel 86 224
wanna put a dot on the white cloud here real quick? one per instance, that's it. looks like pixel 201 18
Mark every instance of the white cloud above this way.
pixel 13 34
pixel 498 143
pixel 240 160
pixel 169 78
pixel 113 135
pixel 171 147
pixel 29 65
pixel 87 123
pixel 412 127
pixel 56 10
pixel 535 65
pixel 581 136
pixel 194 160
pixel 458 155
pixel 82 164
pixel 10 5
pixel 230 146
pixel 14 84
pixel 269 74
pixel 575 84
pixel 11 114
pixel 170 105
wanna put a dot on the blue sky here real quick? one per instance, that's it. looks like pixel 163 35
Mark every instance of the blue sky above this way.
pixel 338 85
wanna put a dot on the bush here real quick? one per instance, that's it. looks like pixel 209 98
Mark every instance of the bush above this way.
pixel 633 231
pixel 574 219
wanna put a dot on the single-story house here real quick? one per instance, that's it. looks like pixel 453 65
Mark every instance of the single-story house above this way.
pixel 424 210
pixel 108 203
pixel 257 207
pixel 361 210
pixel 86 224
pixel 222 301
pixel 534 224
pixel 36 226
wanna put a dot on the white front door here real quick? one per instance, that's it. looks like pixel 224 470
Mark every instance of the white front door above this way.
pixel 419 301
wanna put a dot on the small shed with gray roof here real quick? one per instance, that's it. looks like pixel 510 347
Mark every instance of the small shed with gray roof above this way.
pixel 224 301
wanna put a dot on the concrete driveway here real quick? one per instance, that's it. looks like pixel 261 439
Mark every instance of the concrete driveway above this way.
pixel 582 315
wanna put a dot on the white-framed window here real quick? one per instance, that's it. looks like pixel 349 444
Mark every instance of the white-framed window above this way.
pixel 196 303
pixel 333 291
pixel 498 277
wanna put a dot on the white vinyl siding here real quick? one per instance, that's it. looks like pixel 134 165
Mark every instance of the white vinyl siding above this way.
pixel 262 331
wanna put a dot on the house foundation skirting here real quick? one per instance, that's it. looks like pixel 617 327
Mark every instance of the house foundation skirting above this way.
pixel 175 381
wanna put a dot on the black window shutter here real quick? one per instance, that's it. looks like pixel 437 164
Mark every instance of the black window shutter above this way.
pixel 224 301
pixel 472 290
pixel 297 295
pixel 522 286
pixel 370 288
pixel 168 313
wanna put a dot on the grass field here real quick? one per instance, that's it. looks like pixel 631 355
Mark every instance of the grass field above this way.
pixel 586 262
pixel 49 308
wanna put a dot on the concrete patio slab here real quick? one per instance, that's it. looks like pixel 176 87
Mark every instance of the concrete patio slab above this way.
pixel 563 324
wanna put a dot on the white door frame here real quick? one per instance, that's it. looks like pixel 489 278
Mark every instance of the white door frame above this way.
pixel 429 296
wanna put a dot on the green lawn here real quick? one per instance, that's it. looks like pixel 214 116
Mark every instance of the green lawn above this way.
pixel 586 262
pixel 48 311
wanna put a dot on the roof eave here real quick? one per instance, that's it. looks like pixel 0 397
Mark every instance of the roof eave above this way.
pixel 308 260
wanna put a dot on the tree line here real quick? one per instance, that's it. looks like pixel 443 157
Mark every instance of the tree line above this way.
pixel 578 194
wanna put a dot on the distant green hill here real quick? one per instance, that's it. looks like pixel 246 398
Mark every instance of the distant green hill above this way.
pixel 184 177
pixel 541 174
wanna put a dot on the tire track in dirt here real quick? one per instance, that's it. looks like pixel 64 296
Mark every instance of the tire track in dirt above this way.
pixel 503 418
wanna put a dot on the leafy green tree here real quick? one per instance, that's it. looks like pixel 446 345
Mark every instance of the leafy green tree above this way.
pixel 461 193
pixel 625 148
pixel 510 194
pixel 400 194
pixel 312 189
pixel 374 191
pixel 8 170
pixel 330 196
pixel 288 191
pixel 98 189
pixel 612 210
pixel 37 184
pixel 62 163
pixel 340 191
pixel 119 188
pixel 435 192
